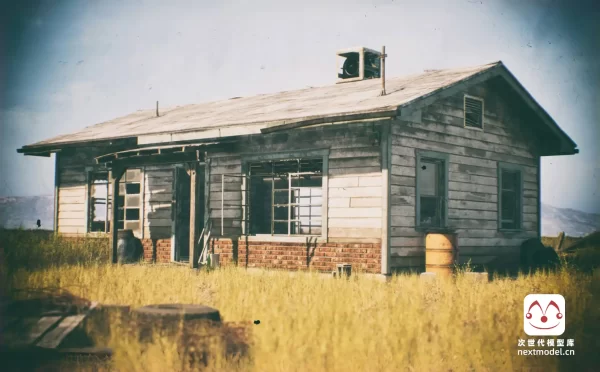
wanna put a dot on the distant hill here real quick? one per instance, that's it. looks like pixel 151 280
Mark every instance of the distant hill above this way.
pixel 571 221
pixel 24 211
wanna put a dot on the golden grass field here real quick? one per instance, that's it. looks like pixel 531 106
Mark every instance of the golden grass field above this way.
pixel 310 323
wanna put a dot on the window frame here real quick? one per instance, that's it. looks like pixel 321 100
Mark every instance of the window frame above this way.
pixel 510 167
pixel 286 155
pixel 123 193
pixel 89 172
pixel 444 157
pixel 466 96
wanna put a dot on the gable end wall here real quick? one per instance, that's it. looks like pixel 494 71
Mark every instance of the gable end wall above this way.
pixel 473 156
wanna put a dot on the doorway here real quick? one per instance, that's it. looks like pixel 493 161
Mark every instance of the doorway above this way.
pixel 181 215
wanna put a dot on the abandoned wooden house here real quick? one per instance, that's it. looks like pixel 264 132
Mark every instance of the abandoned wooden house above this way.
pixel 356 172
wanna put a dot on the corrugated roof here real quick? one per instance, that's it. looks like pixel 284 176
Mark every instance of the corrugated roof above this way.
pixel 332 100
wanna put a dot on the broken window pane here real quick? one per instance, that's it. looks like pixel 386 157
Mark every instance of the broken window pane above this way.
pixel 132 214
pixel 132 188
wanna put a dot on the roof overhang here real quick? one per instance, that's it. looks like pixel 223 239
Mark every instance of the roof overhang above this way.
pixel 568 146
pixel 47 150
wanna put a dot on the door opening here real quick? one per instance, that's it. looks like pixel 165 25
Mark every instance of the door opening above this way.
pixel 181 221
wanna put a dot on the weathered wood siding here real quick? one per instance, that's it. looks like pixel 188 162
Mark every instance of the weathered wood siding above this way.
pixel 354 178
pixel 157 186
pixel 73 189
pixel 72 192
pixel 472 184
pixel 158 193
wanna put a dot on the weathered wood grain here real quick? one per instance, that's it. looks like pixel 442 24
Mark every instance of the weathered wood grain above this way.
pixel 355 222
pixel 340 202
pixel 402 210
pixel 367 191
pixel 402 180
pixel 354 232
pixel 354 212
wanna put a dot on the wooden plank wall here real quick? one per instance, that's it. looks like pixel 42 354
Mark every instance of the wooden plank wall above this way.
pixel 72 200
pixel 473 189
pixel 354 178
pixel 158 193
pixel 72 193
pixel 72 190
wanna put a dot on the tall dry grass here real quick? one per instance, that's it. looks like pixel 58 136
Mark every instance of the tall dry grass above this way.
pixel 310 323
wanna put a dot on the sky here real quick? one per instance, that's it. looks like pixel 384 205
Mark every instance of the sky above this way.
pixel 65 65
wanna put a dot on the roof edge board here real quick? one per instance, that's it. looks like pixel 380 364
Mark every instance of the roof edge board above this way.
pixel 370 114
pixel 56 147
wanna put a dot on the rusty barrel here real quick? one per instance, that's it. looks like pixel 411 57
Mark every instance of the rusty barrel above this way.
pixel 441 253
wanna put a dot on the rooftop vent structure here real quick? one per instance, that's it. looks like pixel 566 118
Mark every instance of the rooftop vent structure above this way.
pixel 358 63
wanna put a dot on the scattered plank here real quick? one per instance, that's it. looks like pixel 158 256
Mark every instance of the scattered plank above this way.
pixel 53 338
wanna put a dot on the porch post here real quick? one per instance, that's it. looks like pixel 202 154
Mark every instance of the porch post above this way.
pixel 193 225
pixel 115 176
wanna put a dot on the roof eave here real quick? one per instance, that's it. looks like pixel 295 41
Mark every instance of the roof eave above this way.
pixel 44 149
pixel 568 146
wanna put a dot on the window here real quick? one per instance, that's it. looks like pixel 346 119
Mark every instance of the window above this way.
pixel 432 189
pixel 130 200
pixel 510 191
pixel 100 201
pixel 286 197
pixel 98 220
pixel 473 112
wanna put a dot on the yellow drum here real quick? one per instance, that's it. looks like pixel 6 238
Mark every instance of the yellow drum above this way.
pixel 441 253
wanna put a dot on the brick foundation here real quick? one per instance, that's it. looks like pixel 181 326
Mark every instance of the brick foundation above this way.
pixel 163 249
pixel 365 257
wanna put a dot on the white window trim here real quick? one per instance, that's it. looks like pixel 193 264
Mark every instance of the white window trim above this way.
pixel 465 112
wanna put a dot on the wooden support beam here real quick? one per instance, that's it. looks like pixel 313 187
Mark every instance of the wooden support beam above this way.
pixel 115 176
pixel 386 148
pixel 193 214
pixel 163 158
pixel 56 189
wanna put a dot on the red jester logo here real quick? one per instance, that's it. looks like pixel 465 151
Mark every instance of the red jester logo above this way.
pixel 544 315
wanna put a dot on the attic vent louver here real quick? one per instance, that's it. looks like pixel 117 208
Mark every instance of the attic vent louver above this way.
pixel 473 112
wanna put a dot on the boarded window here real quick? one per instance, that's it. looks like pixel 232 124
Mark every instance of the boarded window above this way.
pixel 98 220
pixel 286 197
pixel 432 184
pixel 510 192
pixel 473 112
